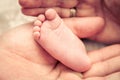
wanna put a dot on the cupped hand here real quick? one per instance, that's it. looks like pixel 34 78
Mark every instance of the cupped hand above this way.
pixel 108 10
pixel 34 8
pixel 21 58
pixel 106 64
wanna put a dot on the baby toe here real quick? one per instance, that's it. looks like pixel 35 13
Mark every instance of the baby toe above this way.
pixel 37 23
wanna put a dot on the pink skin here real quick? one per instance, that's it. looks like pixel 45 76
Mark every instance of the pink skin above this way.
pixel 85 8
pixel 24 59
pixel 56 38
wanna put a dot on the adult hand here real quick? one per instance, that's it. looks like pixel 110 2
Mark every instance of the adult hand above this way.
pixel 106 64
pixel 108 10
pixel 24 59
pixel 21 58
pixel 34 8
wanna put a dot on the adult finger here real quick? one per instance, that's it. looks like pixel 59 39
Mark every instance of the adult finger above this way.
pixel 105 53
pixel 85 27
pixel 105 62
pixel 95 78
pixel 48 3
pixel 63 12
pixel 104 68
pixel 114 76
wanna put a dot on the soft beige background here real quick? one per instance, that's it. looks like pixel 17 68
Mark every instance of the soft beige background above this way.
pixel 11 16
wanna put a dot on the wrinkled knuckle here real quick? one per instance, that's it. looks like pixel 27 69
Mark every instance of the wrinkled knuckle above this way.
pixel 23 2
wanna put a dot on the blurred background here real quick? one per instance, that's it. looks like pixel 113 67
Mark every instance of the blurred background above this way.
pixel 11 16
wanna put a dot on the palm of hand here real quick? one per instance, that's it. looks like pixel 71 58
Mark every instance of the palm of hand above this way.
pixel 28 61
pixel 25 60
pixel 34 64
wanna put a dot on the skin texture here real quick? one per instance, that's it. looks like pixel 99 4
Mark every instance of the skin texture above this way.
pixel 57 39
pixel 85 8
pixel 24 59
pixel 17 61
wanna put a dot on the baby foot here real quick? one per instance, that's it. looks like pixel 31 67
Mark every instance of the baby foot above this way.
pixel 59 41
